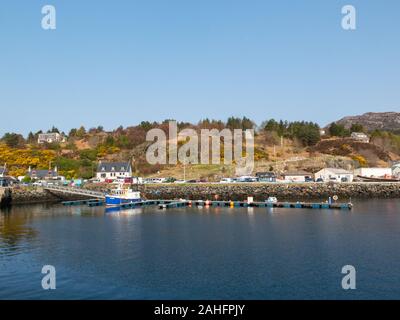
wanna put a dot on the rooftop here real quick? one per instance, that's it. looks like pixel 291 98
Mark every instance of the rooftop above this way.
pixel 337 170
pixel 114 167
pixel 296 173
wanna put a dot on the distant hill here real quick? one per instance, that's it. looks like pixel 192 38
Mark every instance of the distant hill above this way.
pixel 389 121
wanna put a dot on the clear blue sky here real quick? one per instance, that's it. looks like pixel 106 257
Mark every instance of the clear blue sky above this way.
pixel 120 62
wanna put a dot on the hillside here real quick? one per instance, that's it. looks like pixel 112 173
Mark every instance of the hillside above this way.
pixel 389 121
pixel 279 146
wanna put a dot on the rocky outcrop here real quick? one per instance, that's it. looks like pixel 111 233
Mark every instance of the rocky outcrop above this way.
pixel 260 192
pixel 374 120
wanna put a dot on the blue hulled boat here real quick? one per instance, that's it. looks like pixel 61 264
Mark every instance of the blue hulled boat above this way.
pixel 122 196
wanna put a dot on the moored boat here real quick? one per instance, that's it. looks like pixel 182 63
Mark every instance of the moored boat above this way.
pixel 122 196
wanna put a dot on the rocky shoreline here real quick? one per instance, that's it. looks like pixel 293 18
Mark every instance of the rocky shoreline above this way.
pixel 32 195
pixel 235 192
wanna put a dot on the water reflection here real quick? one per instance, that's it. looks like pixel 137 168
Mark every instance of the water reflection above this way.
pixel 206 253
pixel 15 230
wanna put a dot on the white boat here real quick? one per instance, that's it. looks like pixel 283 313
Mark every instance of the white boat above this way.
pixel 271 200
pixel 122 196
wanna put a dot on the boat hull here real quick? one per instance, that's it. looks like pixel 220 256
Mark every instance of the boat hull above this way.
pixel 114 201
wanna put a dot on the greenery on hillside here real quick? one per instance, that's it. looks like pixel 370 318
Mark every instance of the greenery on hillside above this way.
pixel 79 155
pixel 306 132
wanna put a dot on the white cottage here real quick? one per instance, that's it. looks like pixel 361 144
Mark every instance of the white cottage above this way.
pixel 297 176
pixel 113 171
pixel 50 138
pixel 334 175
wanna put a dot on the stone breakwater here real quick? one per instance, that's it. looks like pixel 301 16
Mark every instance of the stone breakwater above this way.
pixel 27 195
pixel 235 192
pixel 260 192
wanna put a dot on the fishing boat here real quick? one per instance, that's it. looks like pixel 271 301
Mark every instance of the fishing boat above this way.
pixel 122 196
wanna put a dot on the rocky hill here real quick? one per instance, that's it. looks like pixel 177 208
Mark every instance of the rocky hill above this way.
pixel 389 121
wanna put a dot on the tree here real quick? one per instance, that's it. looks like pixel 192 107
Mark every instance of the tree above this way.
pixel 81 132
pixel 307 132
pixel 13 140
pixel 237 123
pixel 72 133
pixel 31 138
pixel 338 130
pixel 53 130
pixel 356 127
pixel 146 125
pixel 247 124
pixel 110 141
pixel 271 125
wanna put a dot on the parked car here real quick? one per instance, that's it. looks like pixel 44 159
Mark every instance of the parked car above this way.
pixel 179 181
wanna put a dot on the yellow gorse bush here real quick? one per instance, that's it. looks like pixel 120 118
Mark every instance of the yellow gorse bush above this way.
pixel 19 160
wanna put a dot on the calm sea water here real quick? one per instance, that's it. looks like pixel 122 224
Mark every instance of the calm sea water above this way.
pixel 192 253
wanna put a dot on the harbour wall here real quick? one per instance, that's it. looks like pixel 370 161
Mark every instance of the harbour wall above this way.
pixel 261 191
pixel 28 195
pixel 235 192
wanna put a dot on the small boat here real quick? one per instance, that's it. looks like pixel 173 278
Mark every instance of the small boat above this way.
pixel 122 196
pixel 271 200
pixel 377 179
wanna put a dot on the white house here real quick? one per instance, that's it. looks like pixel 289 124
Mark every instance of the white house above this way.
pixel 298 176
pixel 113 171
pixel 50 137
pixel 360 136
pixel 373 172
pixel 396 170
pixel 50 174
pixel 334 175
